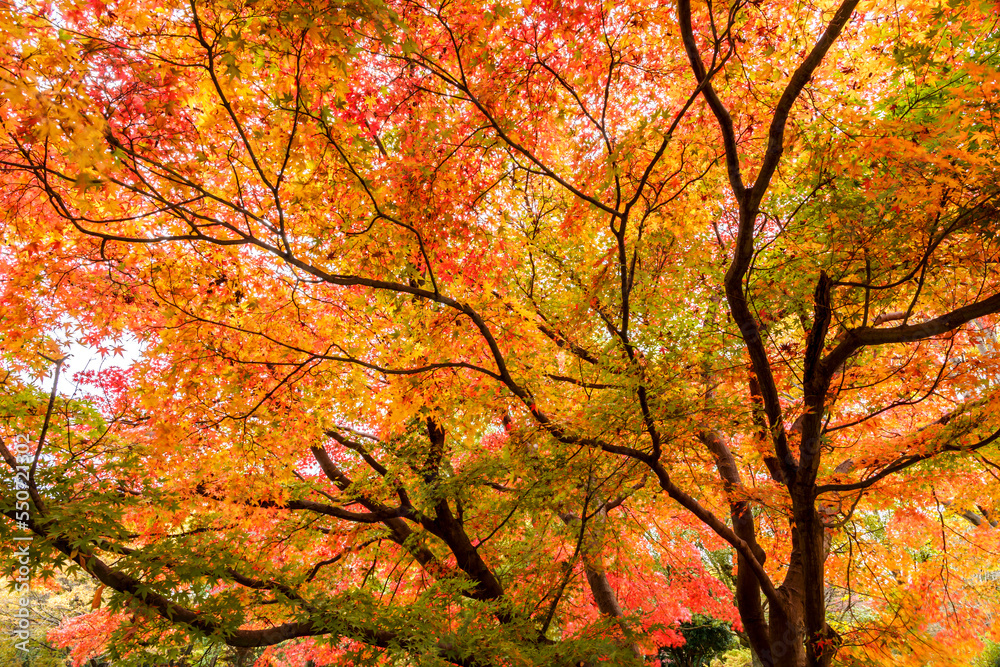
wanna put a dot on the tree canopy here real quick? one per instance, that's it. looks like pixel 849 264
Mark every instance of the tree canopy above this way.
pixel 507 333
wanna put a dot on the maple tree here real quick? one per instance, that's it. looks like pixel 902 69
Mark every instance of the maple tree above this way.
pixel 508 333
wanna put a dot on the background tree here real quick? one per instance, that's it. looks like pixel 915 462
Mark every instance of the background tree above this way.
pixel 54 602
pixel 704 638
pixel 467 330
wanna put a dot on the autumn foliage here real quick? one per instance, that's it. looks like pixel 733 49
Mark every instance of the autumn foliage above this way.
pixel 507 333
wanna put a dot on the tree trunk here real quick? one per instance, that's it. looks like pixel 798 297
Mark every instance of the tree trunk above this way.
pixel 593 567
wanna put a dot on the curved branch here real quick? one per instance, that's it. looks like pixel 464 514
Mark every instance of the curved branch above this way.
pixel 722 115
pixel 803 73
pixel 904 462
pixel 855 339
pixel 203 624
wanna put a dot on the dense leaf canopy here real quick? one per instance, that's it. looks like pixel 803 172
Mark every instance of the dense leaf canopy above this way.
pixel 506 333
